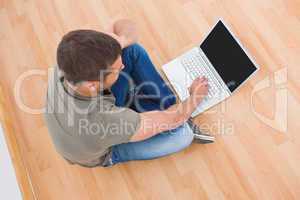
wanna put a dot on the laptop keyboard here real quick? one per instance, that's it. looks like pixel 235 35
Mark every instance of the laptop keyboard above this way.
pixel 195 66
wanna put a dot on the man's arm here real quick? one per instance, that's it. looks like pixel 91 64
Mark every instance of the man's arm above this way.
pixel 155 122
pixel 125 31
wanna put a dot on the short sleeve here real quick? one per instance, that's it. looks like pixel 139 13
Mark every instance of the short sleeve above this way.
pixel 115 125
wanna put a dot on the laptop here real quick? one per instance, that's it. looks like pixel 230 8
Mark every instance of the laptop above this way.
pixel 220 58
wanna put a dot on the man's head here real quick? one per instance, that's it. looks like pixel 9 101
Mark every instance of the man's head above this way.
pixel 86 55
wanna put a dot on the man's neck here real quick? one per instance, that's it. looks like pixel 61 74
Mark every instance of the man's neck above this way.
pixel 73 89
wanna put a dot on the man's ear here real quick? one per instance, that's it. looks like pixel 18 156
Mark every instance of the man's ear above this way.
pixel 91 85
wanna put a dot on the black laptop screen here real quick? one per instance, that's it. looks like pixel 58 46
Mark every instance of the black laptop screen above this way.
pixel 226 55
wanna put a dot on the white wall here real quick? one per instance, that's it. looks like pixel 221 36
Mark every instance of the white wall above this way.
pixel 8 183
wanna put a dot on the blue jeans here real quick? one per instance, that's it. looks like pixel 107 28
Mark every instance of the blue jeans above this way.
pixel 130 90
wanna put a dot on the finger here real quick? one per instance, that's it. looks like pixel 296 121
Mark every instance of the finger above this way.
pixel 205 82
pixel 197 81
pixel 205 79
pixel 200 78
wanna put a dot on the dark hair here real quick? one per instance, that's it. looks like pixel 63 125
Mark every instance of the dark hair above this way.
pixel 82 54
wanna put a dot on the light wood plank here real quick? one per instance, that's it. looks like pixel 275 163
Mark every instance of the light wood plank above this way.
pixel 251 161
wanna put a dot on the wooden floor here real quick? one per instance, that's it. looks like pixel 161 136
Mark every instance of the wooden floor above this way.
pixel 253 157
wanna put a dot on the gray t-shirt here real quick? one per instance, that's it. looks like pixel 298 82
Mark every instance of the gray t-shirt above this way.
pixel 83 129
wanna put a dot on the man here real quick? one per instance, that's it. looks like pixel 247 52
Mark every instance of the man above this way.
pixel 107 104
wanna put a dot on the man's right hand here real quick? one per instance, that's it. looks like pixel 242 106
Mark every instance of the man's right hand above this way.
pixel 199 88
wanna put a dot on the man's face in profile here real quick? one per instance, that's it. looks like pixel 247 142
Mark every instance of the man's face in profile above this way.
pixel 113 73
